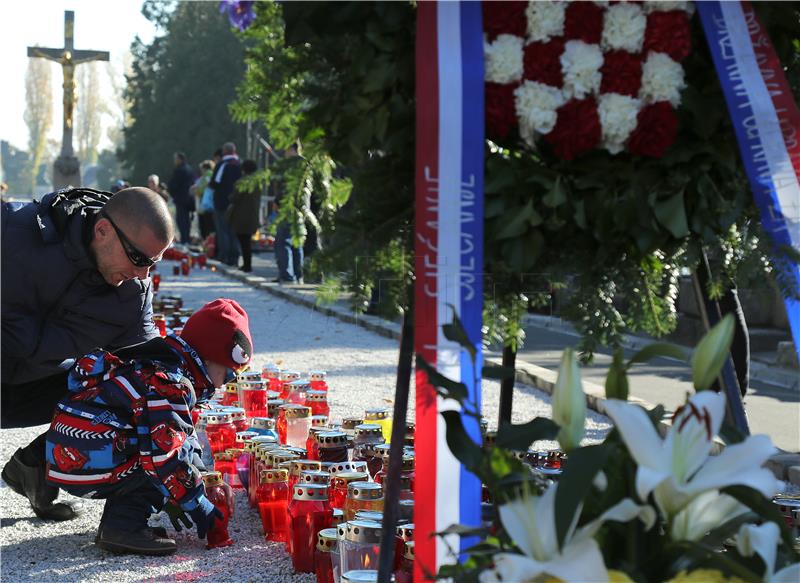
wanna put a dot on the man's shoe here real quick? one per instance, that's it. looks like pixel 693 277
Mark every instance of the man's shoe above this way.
pixel 29 481
pixel 139 542
pixel 158 532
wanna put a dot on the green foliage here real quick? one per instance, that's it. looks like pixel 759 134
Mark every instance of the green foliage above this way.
pixel 180 87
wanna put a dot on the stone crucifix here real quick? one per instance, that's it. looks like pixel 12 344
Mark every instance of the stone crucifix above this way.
pixel 66 166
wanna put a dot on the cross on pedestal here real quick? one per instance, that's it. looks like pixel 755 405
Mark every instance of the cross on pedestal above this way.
pixel 66 166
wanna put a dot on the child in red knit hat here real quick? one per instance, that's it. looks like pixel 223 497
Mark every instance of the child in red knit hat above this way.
pixel 125 432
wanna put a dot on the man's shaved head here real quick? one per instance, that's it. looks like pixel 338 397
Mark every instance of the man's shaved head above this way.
pixel 139 207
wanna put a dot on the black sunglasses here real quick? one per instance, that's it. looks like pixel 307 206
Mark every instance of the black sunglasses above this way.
pixel 135 256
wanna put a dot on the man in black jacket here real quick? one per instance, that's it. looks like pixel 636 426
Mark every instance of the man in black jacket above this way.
pixel 226 173
pixel 178 186
pixel 75 270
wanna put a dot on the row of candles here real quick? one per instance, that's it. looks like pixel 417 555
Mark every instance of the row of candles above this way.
pixel 318 487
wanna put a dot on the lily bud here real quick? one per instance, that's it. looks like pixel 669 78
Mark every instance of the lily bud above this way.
pixel 569 402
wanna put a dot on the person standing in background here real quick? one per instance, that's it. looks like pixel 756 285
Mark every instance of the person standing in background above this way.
pixel 205 204
pixel 243 214
pixel 178 186
pixel 226 173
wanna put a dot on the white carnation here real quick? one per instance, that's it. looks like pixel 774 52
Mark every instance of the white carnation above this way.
pixel 537 105
pixel 662 79
pixel 503 59
pixel 617 119
pixel 545 20
pixel 580 64
pixel 667 6
pixel 623 28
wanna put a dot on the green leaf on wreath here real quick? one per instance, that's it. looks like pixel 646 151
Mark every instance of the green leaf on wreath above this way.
pixel 557 195
pixel 520 437
pixel 455 332
pixel 516 221
pixel 671 213
pixel 460 443
pixel 581 467
pixel 450 388
pixel 617 378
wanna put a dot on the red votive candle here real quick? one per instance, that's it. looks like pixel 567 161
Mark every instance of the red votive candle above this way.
pixel 309 513
pixel 272 504
pixel 221 496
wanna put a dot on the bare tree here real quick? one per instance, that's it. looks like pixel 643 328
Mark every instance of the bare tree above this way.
pixel 89 114
pixel 38 112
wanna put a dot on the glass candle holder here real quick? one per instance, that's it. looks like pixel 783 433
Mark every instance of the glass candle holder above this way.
pixel 362 496
pixel 405 510
pixel 264 426
pixel 340 467
pixel 231 395
pixel 223 464
pixel 406 471
pixel 349 424
pixel 361 545
pixel 323 565
pixel 338 516
pixel 298 424
pixel 404 573
pixel 368 434
pixel 311 442
pixel 379 461
pixel 270 371
pixel 319 421
pixel 235 479
pixel 221 496
pixel 296 466
pixel 155 276
pixel 220 430
pixel 239 418
pixel 253 397
pixel 298 392
pixel 332 447
pixel 360 576
pixel 280 421
pixel 286 377
pixel 161 324
pixel 365 453
pixel 200 428
pixel 273 407
pixel 382 418
pixel 410 429
pixel 318 477
pixel 317 378
pixel 273 500
pixel 404 534
pixel 318 401
pixel 339 483
pixel 309 513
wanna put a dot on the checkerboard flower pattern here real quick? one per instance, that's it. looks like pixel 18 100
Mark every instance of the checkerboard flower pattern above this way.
pixel 583 75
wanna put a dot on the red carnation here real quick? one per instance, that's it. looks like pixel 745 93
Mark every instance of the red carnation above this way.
pixel 501 114
pixel 655 131
pixel 668 32
pixel 504 18
pixel 622 73
pixel 542 62
pixel 577 129
pixel 583 21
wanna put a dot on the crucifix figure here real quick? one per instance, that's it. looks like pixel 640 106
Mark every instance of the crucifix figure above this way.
pixel 68 57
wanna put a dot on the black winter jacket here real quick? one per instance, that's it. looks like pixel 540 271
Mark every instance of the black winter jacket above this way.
pixel 226 173
pixel 55 304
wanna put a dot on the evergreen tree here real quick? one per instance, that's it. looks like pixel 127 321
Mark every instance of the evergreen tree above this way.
pixel 180 88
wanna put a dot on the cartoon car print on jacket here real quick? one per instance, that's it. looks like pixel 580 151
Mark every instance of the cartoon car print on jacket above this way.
pixel 68 459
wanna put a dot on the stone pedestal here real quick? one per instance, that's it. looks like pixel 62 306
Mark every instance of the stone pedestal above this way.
pixel 66 172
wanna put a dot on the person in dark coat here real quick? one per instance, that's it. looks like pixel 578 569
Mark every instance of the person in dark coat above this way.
pixel 226 173
pixel 125 434
pixel 243 215
pixel 75 272
pixel 178 187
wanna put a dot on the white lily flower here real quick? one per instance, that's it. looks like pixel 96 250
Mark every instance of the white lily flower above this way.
pixel 531 523
pixel 706 512
pixel 763 540
pixel 678 468
pixel 569 402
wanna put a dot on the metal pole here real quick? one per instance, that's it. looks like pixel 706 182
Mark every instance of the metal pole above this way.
pixel 391 482
pixel 710 314
pixel 507 386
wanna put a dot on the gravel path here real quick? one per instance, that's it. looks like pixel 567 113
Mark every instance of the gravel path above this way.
pixel 361 370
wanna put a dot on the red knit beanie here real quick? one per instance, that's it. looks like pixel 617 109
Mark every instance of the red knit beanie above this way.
pixel 219 332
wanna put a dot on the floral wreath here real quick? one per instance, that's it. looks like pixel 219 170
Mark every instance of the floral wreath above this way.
pixel 582 74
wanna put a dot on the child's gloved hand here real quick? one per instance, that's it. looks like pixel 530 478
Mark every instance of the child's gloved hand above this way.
pixel 176 516
pixel 204 516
